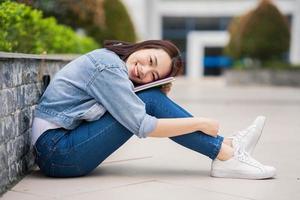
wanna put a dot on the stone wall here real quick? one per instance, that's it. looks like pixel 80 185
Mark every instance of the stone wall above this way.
pixel 22 81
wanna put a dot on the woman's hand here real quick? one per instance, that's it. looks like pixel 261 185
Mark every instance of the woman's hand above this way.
pixel 209 126
pixel 166 88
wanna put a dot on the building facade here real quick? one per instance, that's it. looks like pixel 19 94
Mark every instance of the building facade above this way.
pixel 199 27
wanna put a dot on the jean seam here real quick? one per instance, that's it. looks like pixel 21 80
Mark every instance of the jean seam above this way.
pixel 50 148
pixel 53 165
pixel 55 139
pixel 46 158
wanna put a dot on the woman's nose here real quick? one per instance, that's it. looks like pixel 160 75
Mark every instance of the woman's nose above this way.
pixel 144 70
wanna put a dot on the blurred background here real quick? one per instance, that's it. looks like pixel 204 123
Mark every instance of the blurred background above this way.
pixel 226 45
pixel 213 35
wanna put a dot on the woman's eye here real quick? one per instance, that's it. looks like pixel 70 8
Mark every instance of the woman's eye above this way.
pixel 150 61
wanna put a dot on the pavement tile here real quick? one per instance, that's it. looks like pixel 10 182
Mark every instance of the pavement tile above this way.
pixel 12 195
pixel 155 190
pixel 37 184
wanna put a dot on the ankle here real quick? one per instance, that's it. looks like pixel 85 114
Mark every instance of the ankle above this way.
pixel 226 152
pixel 228 141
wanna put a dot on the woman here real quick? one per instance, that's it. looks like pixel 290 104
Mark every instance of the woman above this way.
pixel 90 109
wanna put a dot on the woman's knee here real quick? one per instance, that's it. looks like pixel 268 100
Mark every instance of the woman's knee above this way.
pixel 151 95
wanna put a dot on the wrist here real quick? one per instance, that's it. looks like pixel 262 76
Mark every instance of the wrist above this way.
pixel 201 123
pixel 209 126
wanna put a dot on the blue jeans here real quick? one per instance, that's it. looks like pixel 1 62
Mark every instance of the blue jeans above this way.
pixel 71 153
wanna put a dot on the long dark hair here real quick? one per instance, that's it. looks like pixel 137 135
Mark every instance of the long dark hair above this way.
pixel 124 49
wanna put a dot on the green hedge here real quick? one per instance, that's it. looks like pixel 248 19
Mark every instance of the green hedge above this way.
pixel 24 29
pixel 118 23
pixel 100 19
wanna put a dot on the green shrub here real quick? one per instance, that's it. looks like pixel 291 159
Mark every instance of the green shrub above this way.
pixel 261 34
pixel 118 23
pixel 24 29
pixel 101 19
pixel 232 48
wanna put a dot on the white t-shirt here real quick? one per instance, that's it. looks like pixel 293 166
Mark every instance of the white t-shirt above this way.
pixel 39 126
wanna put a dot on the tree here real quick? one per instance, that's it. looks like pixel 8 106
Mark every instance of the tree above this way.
pixel 261 34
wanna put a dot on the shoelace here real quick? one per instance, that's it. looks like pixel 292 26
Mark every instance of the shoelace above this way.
pixel 240 134
pixel 243 156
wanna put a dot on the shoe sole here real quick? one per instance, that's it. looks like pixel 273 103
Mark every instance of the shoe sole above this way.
pixel 237 175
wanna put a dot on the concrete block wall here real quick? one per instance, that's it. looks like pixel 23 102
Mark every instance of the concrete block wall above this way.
pixel 21 85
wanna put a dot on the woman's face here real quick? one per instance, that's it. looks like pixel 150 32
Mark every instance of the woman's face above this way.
pixel 148 65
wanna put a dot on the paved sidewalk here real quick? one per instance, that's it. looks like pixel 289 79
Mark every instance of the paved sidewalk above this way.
pixel 161 169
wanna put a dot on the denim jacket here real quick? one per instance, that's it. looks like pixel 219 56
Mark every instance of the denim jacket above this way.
pixel 89 86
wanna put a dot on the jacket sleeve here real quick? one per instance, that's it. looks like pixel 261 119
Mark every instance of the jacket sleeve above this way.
pixel 113 89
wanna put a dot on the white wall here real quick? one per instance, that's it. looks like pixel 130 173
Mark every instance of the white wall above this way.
pixel 138 12
pixel 196 43
pixel 295 40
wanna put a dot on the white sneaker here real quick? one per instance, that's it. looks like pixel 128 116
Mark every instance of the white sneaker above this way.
pixel 241 165
pixel 249 137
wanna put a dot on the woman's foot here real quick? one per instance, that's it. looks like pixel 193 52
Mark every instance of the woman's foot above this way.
pixel 241 165
pixel 249 137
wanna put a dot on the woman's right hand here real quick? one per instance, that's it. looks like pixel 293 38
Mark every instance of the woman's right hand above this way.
pixel 209 126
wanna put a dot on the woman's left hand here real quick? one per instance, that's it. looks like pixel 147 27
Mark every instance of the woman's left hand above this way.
pixel 166 88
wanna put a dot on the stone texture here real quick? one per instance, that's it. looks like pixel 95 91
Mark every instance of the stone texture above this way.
pixel 6 73
pixel 20 89
pixel 8 128
pixel 2 136
pixel 8 101
pixel 20 97
pixel 31 94
pixel 29 72
pixel 4 183
pixel 23 118
pixel 3 158
pixel 17 148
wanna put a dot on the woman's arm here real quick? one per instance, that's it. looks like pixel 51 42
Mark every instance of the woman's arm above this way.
pixel 170 127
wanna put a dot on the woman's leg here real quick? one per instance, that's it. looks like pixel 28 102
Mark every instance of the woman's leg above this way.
pixel 242 166
pixel 71 153
pixel 226 150
pixel 65 153
pixel 160 106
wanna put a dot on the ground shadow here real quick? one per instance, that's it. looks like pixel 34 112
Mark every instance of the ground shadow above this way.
pixel 135 171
